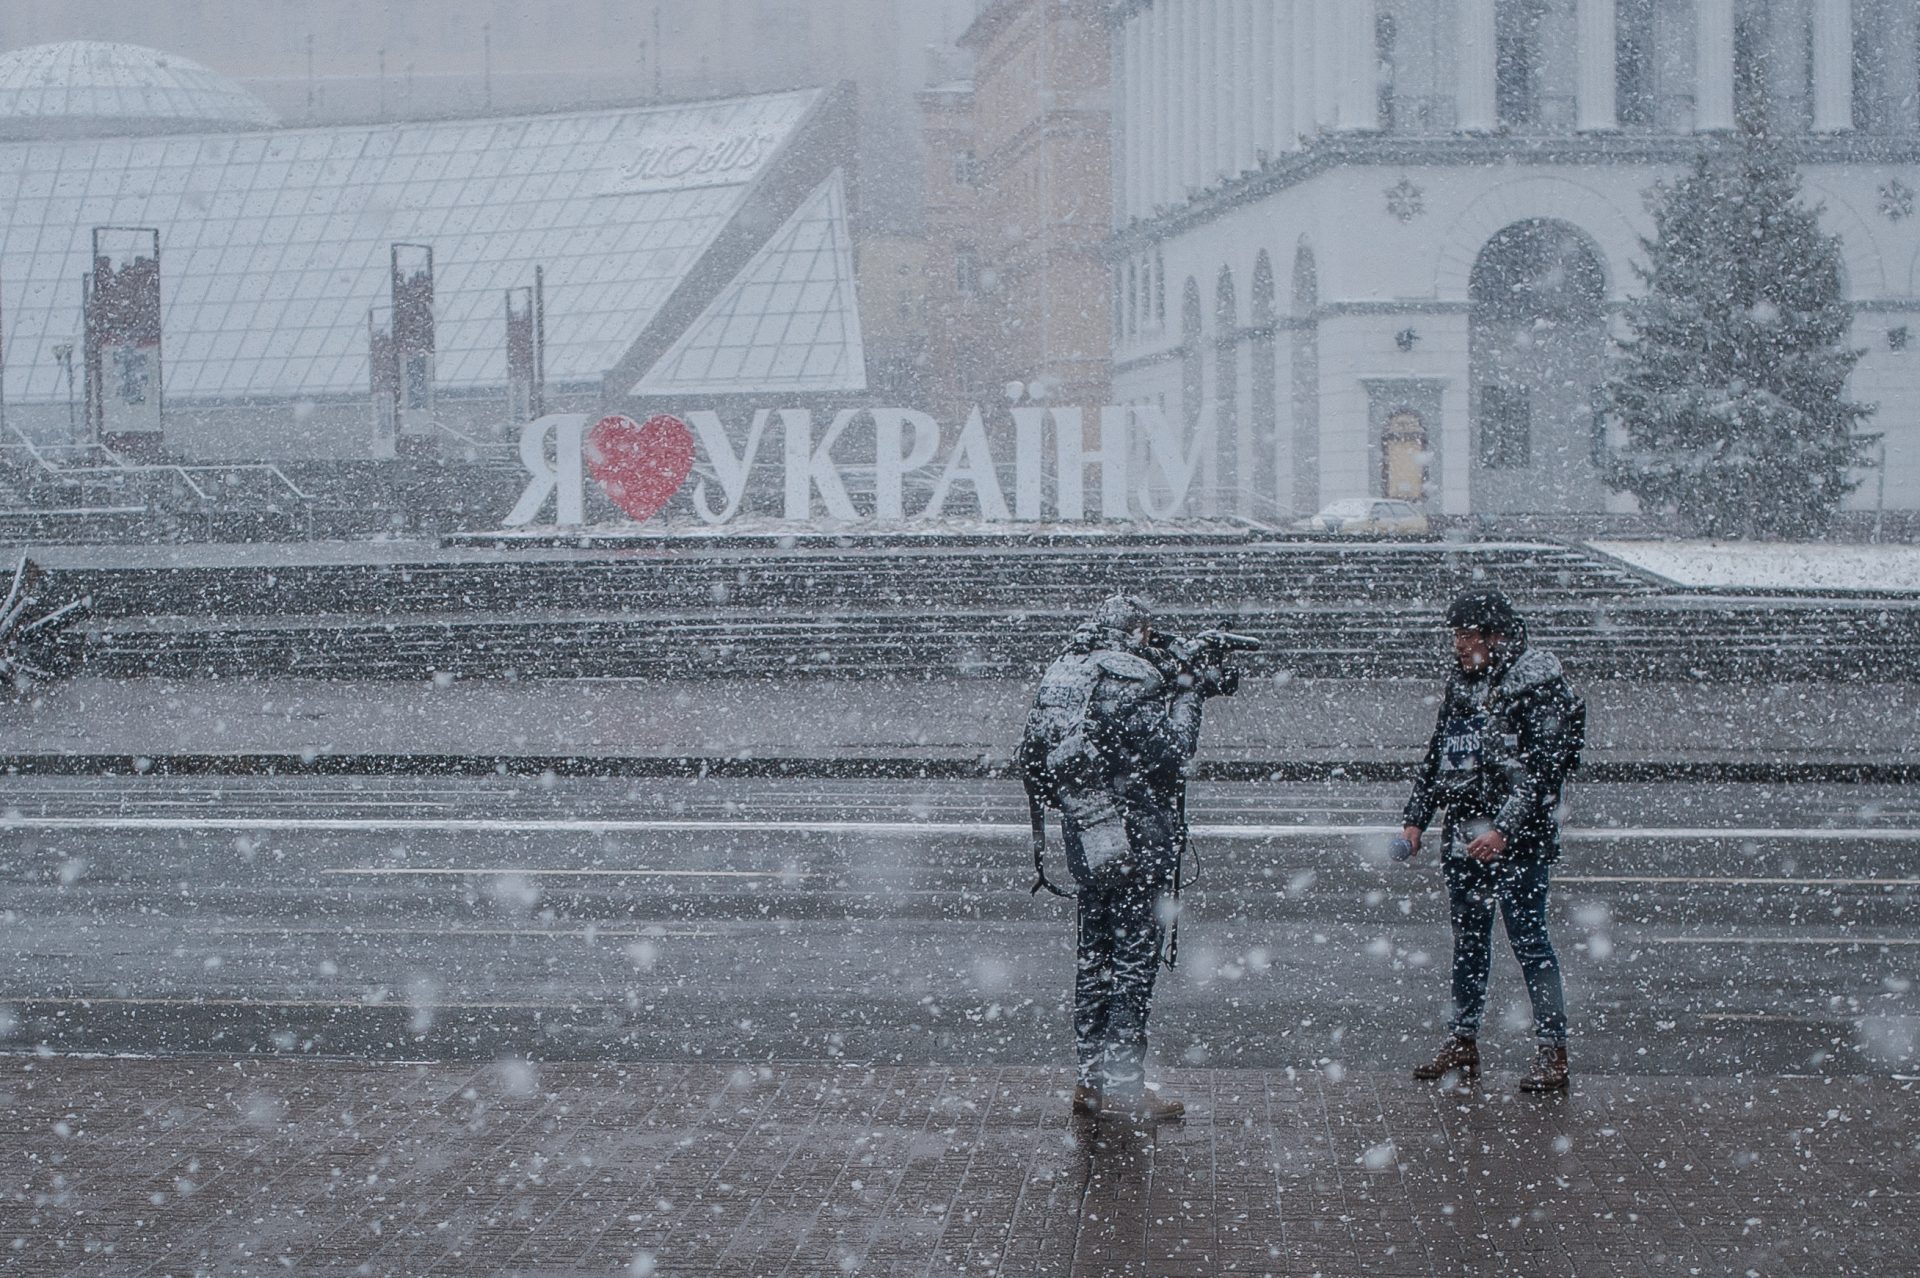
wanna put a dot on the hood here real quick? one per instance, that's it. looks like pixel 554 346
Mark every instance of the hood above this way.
pixel 1091 636
pixel 1529 668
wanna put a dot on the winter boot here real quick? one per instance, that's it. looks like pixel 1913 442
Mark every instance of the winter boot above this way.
pixel 1549 1071
pixel 1086 1099
pixel 1459 1056
pixel 1147 1109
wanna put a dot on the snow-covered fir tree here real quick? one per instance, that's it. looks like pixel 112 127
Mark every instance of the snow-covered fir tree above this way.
pixel 1731 387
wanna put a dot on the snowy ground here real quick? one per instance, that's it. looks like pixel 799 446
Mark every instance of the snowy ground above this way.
pixel 1723 565
pixel 1706 929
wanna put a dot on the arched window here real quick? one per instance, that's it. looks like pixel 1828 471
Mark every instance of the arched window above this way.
pixel 1537 337
pixel 1159 293
pixel 1226 390
pixel 1306 382
pixel 1192 361
pixel 1263 408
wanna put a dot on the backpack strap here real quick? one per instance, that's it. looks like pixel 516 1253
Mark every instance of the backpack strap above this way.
pixel 1037 813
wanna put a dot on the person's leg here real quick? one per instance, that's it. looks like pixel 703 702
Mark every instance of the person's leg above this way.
pixel 1135 964
pixel 1523 904
pixel 1470 900
pixel 1093 986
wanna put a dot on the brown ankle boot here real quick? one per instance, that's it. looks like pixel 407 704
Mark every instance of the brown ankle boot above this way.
pixel 1459 1056
pixel 1549 1071
pixel 1086 1099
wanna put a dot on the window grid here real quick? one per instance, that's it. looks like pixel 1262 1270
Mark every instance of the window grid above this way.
pixel 288 235
pixel 789 321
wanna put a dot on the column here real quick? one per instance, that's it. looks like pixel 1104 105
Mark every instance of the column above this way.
pixel 1141 102
pixel 1167 122
pixel 1195 95
pixel 1124 129
pixel 1137 115
pixel 1178 153
pixel 1306 120
pixel 1262 88
pixel 1903 68
pixel 1329 60
pixel 1475 105
pixel 1713 66
pixel 1248 117
pixel 1277 72
pixel 1597 81
pixel 1226 65
pixel 1832 66
pixel 1206 93
pixel 1360 78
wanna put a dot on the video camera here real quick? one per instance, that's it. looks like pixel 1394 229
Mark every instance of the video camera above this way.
pixel 1207 655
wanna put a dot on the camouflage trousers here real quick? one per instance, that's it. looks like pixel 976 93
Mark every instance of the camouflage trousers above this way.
pixel 1120 932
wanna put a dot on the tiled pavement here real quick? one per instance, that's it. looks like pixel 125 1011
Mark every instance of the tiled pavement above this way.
pixel 314 1167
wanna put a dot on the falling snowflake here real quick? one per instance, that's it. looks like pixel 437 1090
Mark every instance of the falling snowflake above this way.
pixel 1404 200
pixel 1896 200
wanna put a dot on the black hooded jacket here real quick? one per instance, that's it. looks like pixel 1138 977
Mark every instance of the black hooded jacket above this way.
pixel 1503 743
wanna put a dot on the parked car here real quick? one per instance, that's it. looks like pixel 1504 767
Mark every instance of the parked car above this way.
pixel 1368 516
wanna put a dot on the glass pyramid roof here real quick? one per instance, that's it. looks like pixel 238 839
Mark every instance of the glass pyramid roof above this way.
pixel 790 321
pixel 274 245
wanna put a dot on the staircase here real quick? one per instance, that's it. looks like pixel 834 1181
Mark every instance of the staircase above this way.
pixel 1324 610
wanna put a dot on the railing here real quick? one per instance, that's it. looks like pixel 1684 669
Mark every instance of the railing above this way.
pixel 118 470
pixel 104 484
pixel 477 449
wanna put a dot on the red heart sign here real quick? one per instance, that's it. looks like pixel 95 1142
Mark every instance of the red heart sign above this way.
pixel 641 467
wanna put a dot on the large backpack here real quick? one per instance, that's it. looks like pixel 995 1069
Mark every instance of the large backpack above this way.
pixel 1060 752
pixel 1061 747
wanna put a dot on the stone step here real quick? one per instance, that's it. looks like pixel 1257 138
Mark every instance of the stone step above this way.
pixel 1677 641
pixel 815 580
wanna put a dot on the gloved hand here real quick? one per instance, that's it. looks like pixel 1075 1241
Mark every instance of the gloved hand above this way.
pixel 1215 681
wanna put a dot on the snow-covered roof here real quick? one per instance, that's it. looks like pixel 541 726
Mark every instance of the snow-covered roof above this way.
pixel 87 88
pixel 274 245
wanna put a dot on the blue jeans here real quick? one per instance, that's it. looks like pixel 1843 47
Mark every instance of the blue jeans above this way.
pixel 1518 888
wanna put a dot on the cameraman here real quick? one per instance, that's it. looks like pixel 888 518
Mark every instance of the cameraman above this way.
pixel 1115 721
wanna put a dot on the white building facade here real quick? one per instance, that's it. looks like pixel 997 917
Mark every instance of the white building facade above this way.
pixel 1378 247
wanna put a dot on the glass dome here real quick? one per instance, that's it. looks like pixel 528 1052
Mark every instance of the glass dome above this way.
pixel 89 89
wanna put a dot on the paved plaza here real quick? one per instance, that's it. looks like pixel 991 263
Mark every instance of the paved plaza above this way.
pixel 335 1167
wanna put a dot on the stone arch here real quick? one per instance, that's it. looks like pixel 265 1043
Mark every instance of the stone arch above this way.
pixel 1537 333
pixel 1611 231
